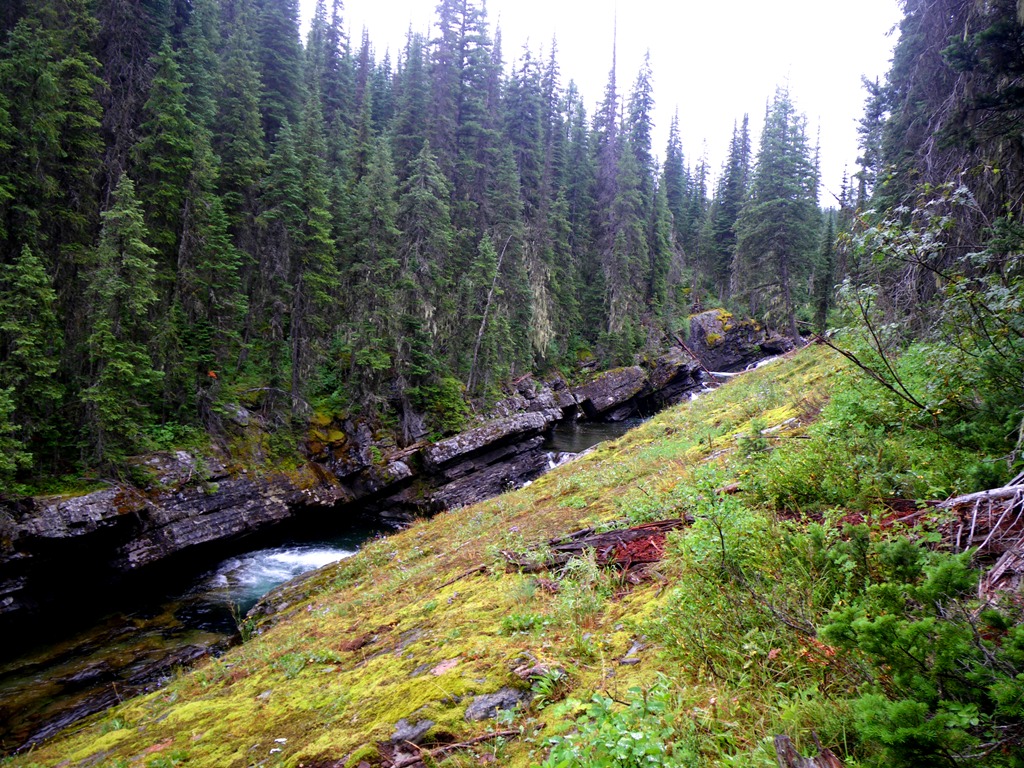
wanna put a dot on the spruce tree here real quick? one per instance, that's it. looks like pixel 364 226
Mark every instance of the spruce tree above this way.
pixel 778 226
pixel 120 289
pixel 164 157
pixel 7 183
pixel 640 125
pixel 376 276
pixel 280 61
pixel 661 241
pixel 412 102
pixel 718 236
pixel 425 250
pixel 13 456
pixel 200 63
pixel 281 223
pixel 824 273
pixel 870 130
pixel 523 108
pixel 315 270
pixel 674 179
pixel 627 271
pixel 30 347
pixel 238 137
pixel 209 305
pixel 50 85
pixel 601 308
pixel 336 78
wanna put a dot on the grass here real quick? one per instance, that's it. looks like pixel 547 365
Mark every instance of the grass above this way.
pixel 412 627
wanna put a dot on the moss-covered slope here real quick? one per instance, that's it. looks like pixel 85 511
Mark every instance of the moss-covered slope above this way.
pixel 420 624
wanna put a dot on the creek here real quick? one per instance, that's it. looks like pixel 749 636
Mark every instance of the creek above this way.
pixel 122 645
pixel 577 436
pixel 66 672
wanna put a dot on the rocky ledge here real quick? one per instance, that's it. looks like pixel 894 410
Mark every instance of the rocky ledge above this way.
pixel 194 508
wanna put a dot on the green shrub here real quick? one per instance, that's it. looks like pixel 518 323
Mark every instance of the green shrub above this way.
pixel 945 679
pixel 647 731
pixel 444 403
pixel 515 623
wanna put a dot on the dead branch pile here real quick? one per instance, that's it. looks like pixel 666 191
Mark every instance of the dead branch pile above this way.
pixel 624 548
pixel 992 524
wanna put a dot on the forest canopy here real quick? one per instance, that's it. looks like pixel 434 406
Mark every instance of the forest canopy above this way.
pixel 197 208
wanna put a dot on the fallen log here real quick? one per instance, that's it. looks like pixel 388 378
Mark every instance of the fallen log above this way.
pixel 990 522
pixel 788 757
pixel 1007 575
pixel 616 547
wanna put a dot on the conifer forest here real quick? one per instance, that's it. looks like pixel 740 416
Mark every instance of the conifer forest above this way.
pixel 198 208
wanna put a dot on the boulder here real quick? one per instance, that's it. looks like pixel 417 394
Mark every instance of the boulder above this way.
pixel 723 343
pixel 487 706
pixel 610 389
pixel 673 376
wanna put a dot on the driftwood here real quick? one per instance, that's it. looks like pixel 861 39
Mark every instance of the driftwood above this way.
pixel 624 547
pixel 464 574
pixel 417 760
pixel 788 757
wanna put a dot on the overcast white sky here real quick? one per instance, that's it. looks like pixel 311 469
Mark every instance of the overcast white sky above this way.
pixel 713 60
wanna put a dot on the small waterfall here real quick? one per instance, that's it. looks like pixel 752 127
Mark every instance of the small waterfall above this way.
pixel 558 458
pixel 242 580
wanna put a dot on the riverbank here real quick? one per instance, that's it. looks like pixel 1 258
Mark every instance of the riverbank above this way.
pixel 424 637
pixel 131 643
